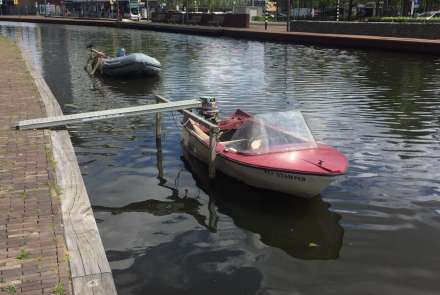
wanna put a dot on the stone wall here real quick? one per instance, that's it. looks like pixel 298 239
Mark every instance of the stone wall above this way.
pixel 406 30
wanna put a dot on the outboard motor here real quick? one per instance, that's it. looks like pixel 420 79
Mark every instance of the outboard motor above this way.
pixel 120 52
pixel 209 108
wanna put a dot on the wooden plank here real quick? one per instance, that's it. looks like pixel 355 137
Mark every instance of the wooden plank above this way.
pixel 98 284
pixel 89 267
pixel 52 107
pixel 86 252
pixel 107 114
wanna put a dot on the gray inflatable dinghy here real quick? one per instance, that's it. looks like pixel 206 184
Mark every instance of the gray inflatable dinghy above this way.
pixel 131 64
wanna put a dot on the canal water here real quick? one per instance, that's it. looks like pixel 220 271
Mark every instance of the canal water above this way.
pixel 375 231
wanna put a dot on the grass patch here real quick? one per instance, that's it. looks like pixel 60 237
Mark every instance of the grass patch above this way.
pixel 259 18
pixel 55 189
pixel 52 226
pixel 59 289
pixel 11 289
pixel 23 254
pixel 49 156
pixel 66 255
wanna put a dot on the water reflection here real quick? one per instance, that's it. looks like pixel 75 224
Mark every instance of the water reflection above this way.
pixel 193 261
pixel 405 94
pixel 186 265
pixel 129 87
pixel 303 228
pixel 173 204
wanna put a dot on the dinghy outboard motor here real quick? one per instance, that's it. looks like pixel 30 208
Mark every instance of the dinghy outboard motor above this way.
pixel 120 52
pixel 209 108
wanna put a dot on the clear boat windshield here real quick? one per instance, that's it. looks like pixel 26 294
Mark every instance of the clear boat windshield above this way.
pixel 272 132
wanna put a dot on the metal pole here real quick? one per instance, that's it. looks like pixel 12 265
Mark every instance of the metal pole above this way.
pixel 117 9
pixel 289 5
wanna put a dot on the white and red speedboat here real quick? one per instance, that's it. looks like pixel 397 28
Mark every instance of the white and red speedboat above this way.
pixel 274 151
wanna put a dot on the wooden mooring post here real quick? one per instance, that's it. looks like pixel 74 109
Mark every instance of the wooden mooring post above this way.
pixel 213 134
pixel 159 142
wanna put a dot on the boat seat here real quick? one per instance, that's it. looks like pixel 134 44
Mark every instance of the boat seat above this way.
pixel 194 126
pixel 229 142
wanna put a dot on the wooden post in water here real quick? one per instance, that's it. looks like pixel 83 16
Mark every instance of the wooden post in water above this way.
pixel 213 133
pixel 158 121
pixel 159 157
pixel 159 142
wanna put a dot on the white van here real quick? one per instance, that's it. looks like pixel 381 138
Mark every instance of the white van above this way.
pixel 134 14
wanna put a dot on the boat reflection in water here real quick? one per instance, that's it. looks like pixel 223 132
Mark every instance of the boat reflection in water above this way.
pixel 174 204
pixel 127 87
pixel 303 228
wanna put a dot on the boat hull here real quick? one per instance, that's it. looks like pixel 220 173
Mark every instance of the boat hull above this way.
pixel 288 182
pixel 135 64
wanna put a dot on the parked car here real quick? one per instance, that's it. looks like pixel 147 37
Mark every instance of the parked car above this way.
pixel 268 14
